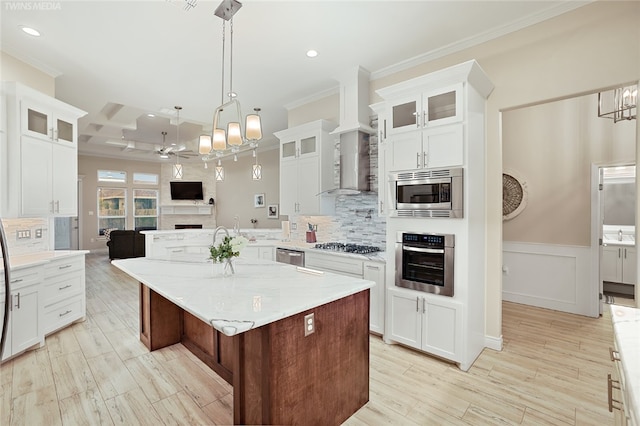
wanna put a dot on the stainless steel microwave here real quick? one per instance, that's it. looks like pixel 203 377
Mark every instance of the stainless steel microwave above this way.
pixel 427 193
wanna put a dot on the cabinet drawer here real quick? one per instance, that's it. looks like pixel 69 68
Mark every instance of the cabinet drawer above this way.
pixel 25 277
pixel 61 287
pixel 63 313
pixel 334 263
pixel 63 266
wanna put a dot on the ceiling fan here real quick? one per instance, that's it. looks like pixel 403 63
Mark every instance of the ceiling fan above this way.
pixel 174 149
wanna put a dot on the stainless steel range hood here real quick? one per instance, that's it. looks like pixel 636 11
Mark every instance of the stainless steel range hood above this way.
pixel 354 131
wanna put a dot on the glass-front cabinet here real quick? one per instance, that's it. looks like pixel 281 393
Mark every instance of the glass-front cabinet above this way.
pixel 298 148
pixel 41 122
pixel 428 109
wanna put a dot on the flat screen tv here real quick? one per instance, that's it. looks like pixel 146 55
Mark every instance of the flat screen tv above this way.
pixel 183 190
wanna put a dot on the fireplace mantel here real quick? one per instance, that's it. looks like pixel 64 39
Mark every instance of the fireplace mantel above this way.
pixel 203 209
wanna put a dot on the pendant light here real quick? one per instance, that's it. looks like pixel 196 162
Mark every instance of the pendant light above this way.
pixel 177 168
pixel 219 171
pixel 256 172
pixel 619 104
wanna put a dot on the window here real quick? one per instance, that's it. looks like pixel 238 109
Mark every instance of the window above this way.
pixel 145 179
pixel 112 210
pixel 145 213
pixel 112 176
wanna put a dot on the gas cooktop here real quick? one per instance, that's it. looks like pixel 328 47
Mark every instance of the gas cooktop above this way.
pixel 348 248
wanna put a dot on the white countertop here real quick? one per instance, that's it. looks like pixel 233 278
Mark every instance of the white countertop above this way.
pixel 260 292
pixel 32 259
pixel 626 325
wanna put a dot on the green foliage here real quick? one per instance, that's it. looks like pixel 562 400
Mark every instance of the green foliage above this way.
pixel 223 251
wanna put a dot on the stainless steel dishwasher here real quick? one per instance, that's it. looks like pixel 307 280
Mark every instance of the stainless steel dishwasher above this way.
pixel 292 257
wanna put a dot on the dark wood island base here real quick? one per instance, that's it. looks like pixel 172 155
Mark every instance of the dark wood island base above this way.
pixel 278 375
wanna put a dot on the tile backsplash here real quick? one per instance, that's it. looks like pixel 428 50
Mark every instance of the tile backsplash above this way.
pixel 356 221
pixel 36 240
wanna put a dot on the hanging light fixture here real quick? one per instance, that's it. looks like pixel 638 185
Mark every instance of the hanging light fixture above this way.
pixel 219 171
pixel 177 168
pixel 619 104
pixel 233 138
pixel 256 172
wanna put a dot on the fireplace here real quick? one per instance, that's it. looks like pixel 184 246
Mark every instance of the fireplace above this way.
pixel 189 226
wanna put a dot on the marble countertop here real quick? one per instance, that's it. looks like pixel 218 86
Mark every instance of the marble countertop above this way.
pixel 259 293
pixel 33 259
pixel 626 326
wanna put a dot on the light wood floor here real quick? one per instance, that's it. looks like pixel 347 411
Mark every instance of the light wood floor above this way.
pixel 553 370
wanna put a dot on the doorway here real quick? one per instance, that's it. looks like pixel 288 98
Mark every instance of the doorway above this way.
pixel 616 230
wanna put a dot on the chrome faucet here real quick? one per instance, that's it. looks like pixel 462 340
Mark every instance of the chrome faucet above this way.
pixel 236 225
pixel 620 235
pixel 215 233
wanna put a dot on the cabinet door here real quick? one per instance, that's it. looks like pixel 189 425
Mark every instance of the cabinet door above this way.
pixel 7 346
pixel 65 130
pixel 383 184
pixel 266 253
pixel 64 180
pixel 611 264
pixel 404 152
pixel 308 147
pixel 36 177
pixel 24 322
pixel 629 266
pixel 443 146
pixel 404 115
pixel 288 187
pixel 375 272
pixel 405 318
pixel 444 106
pixel 308 182
pixel 36 120
pixel 442 330
pixel 288 151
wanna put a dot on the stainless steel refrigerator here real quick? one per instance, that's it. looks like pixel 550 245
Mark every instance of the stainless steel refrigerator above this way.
pixel 5 287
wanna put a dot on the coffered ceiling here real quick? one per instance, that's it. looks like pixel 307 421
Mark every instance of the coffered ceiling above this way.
pixel 121 60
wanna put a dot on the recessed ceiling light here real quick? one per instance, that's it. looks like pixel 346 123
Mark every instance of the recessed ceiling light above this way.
pixel 151 115
pixel 30 31
pixel 312 53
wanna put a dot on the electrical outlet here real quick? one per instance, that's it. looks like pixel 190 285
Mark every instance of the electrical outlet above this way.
pixel 309 324
pixel 294 226
pixel 23 234
pixel 39 233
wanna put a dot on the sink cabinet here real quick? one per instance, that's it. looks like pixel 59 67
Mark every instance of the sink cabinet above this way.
pixel 619 264
pixel 306 168
pixel 41 157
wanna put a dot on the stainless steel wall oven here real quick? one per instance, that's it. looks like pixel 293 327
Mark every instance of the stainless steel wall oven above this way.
pixel 424 262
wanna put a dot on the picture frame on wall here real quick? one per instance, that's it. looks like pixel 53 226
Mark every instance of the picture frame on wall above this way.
pixel 258 200
pixel 272 211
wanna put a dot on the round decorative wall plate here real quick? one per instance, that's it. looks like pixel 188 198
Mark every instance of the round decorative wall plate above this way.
pixel 514 195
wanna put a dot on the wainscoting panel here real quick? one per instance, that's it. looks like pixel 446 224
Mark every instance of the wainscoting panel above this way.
pixel 548 276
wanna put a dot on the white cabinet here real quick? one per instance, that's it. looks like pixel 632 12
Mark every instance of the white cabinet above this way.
pixel 375 271
pixel 25 318
pixel 619 264
pixel 42 120
pixel 430 323
pixel 63 293
pixel 41 154
pixel 383 184
pixel 421 110
pixel 431 148
pixel 258 252
pixel 306 167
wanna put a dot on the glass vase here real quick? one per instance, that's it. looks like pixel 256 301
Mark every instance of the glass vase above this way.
pixel 228 268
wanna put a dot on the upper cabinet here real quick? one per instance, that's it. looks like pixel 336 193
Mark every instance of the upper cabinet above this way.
pixel 306 168
pixel 427 109
pixel 40 158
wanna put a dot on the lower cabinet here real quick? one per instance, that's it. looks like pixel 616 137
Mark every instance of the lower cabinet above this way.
pixel 619 264
pixel 375 271
pixel 616 390
pixel 63 295
pixel 258 252
pixel 24 320
pixel 426 322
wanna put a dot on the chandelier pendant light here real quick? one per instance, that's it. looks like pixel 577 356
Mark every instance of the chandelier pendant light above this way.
pixel 256 172
pixel 229 135
pixel 177 168
pixel 219 171
pixel 619 104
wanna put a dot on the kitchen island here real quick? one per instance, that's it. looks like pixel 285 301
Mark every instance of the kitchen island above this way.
pixel 254 330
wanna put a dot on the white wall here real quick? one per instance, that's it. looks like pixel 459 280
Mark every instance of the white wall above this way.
pixel 12 69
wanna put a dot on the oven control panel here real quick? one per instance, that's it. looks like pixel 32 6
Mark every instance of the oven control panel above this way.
pixel 426 240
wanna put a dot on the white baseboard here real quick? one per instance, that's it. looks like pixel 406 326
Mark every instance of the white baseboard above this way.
pixel 494 343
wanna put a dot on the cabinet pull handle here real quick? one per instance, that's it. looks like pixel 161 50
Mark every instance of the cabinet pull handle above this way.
pixel 615 355
pixel 51 133
pixel 417 160
pixel 64 266
pixel 66 286
pixel 375 268
pixel 64 313
pixel 51 208
pixel 424 159
pixel 381 208
pixel 385 127
pixel 417 304
pixel 424 306
pixel 18 304
pixel 625 253
pixel 57 206
pixel 619 253
pixel 55 137
pixel 17 280
pixel 610 387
